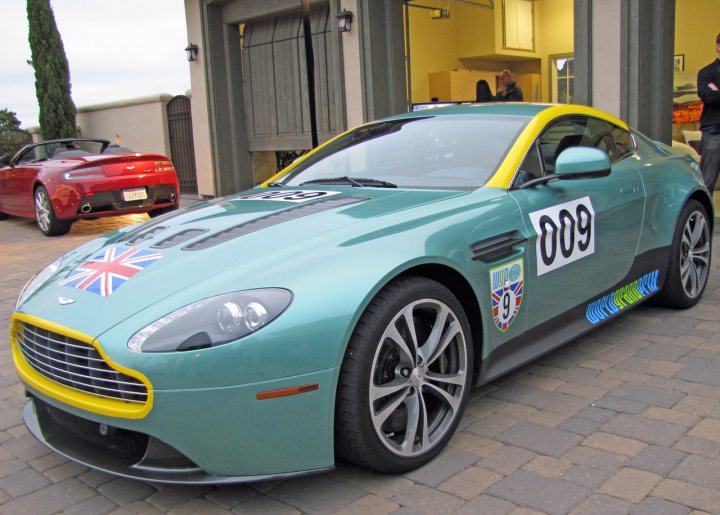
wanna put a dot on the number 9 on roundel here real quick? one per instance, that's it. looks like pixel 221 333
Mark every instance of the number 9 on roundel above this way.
pixel 506 285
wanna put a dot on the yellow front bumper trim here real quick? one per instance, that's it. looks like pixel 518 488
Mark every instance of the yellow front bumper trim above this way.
pixel 79 399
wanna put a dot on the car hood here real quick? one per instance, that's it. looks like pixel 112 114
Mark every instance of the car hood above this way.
pixel 257 239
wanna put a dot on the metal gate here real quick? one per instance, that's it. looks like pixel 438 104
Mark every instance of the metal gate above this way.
pixel 12 140
pixel 181 143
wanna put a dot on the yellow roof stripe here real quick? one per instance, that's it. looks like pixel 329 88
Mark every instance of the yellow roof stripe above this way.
pixel 506 171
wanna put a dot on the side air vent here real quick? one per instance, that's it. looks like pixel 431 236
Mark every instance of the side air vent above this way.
pixel 177 239
pixel 272 219
pixel 135 238
pixel 495 247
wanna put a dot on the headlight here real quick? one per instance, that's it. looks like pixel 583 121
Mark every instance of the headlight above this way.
pixel 37 281
pixel 212 321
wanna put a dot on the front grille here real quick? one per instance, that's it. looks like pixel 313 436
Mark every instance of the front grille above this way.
pixel 75 364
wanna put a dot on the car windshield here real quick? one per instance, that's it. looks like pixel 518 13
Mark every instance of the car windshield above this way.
pixel 446 152
pixel 61 150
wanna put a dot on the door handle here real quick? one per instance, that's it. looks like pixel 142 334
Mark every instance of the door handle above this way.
pixel 629 189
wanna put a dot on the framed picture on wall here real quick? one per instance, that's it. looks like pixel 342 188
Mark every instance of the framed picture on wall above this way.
pixel 679 62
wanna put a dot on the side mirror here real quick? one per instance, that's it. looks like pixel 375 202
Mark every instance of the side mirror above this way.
pixel 582 163
pixel 5 160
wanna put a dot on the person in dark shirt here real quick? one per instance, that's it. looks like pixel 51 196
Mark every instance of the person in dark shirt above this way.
pixel 509 90
pixel 708 85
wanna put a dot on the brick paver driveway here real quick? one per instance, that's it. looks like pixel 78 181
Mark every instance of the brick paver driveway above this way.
pixel 624 420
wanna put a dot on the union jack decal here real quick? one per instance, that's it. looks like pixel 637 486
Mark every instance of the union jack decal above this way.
pixel 505 314
pixel 110 269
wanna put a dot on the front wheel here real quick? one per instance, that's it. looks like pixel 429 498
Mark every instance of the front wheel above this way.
pixel 405 377
pixel 690 254
pixel 45 215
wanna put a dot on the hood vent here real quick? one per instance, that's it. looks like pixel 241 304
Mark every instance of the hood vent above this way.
pixel 134 238
pixel 273 219
pixel 177 239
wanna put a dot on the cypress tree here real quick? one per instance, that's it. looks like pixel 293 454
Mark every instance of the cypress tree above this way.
pixel 52 73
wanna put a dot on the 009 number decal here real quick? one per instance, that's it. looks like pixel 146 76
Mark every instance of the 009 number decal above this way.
pixel 288 195
pixel 565 233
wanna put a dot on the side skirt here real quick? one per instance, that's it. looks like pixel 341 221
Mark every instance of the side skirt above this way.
pixel 645 279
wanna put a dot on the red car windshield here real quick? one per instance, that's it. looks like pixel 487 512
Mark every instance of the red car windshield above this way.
pixel 61 150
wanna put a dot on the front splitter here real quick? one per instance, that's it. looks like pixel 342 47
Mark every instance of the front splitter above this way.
pixel 76 450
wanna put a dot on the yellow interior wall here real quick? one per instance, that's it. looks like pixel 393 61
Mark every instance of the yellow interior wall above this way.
pixel 696 27
pixel 556 27
pixel 433 48
pixel 471 34
pixel 474 30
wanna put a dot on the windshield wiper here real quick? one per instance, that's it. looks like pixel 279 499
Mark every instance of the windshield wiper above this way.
pixel 356 182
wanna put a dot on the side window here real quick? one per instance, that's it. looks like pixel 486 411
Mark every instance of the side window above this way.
pixel 29 156
pixel 531 167
pixel 623 141
pixel 600 135
pixel 570 132
pixel 34 155
pixel 575 131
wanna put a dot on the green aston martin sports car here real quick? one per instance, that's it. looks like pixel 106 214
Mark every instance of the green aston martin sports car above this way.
pixel 347 307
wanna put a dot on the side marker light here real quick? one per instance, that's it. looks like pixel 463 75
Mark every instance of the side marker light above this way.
pixel 294 390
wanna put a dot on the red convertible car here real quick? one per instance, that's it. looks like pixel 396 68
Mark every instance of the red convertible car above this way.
pixel 59 181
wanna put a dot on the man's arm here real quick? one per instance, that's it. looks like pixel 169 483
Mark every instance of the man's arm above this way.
pixel 515 94
pixel 707 88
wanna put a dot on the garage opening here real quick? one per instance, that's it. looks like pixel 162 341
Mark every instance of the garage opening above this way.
pixel 454 44
pixel 695 34
pixel 275 85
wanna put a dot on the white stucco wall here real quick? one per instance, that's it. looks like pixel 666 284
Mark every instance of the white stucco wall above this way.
pixel 140 123
pixel 606 55
pixel 199 103
pixel 351 68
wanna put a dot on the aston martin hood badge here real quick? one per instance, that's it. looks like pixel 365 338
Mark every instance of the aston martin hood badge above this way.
pixel 64 301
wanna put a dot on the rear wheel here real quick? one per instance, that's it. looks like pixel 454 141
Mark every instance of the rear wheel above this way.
pixel 4 216
pixel 405 377
pixel 690 254
pixel 45 215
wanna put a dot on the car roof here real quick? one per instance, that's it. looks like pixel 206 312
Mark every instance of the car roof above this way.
pixel 489 109
pixel 522 109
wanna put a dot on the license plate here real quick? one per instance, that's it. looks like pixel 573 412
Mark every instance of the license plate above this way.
pixel 134 194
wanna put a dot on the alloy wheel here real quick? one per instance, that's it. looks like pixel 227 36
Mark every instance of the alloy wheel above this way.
pixel 695 254
pixel 42 210
pixel 418 377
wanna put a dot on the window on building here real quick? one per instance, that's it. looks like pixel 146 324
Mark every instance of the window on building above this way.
pixel 562 79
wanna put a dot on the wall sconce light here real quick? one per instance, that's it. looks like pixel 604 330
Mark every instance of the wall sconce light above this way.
pixel 192 52
pixel 344 19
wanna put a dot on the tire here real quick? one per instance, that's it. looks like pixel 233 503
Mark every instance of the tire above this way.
pixel 45 215
pixel 4 216
pixel 157 212
pixel 406 424
pixel 690 255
